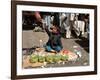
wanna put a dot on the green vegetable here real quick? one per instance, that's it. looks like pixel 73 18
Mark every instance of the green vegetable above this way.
pixel 41 59
pixel 33 58
pixel 64 57
pixel 57 58
pixel 49 58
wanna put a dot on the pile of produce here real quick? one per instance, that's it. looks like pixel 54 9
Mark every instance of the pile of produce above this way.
pixel 34 58
pixel 63 56
pixel 40 58
pixel 48 58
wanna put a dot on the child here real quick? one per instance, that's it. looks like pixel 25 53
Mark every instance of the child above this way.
pixel 54 42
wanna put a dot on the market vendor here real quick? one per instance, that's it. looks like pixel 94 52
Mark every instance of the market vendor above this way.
pixel 54 42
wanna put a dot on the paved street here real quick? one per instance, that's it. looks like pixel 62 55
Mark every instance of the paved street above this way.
pixel 31 38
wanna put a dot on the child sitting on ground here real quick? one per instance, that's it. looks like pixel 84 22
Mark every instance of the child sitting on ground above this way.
pixel 54 43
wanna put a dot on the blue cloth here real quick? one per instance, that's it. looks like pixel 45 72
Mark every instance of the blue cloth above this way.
pixel 56 48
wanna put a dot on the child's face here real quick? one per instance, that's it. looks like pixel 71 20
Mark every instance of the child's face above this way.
pixel 54 30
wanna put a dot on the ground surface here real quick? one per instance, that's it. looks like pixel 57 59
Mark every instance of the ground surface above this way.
pixel 31 38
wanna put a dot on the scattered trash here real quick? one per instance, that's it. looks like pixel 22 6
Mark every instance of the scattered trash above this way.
pixel 63 63
pixel 41 43
pixel 42 66
pixel 77 50
pixel 85 63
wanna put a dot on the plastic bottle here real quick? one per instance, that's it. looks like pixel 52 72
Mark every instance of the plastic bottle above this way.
pixel 77 50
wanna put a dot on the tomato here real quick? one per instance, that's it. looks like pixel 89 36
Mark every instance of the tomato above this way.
pixel 65 51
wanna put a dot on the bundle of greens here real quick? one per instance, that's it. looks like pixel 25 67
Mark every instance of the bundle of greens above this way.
pixel 64 57
pixel 49 58
pixel 57 58
pixel 34 58
pixel 41 59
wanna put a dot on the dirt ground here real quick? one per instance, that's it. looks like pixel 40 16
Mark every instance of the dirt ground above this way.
pixel 31 39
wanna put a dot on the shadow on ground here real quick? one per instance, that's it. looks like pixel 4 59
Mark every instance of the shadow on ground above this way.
pixel 29 27
pixel 83 42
